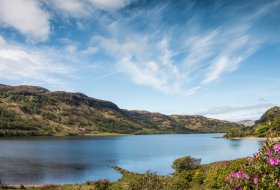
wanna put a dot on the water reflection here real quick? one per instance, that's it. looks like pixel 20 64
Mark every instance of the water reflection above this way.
pixel 79 159
pixel 235 144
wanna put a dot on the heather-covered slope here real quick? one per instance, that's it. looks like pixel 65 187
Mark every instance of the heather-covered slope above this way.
pixel 29 110
pixel 180 122
pixel 268 125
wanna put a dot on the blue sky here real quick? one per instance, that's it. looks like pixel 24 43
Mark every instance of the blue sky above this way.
pixel 218 58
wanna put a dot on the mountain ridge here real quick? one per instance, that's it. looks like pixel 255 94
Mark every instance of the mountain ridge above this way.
pixel 33 110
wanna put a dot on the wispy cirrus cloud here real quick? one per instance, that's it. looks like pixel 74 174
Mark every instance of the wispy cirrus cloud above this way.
pixel 237 113
pixel 71 8
pixel 38 66
pixel 85 8
pixel 175 47
pixel 109 4
pixel 231 109
pixel 179 58
pixel 145 62
pixel 33 18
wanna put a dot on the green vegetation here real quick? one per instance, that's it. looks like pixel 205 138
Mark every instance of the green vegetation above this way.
pixel 13 125
pixel 261 171
pixel 33 111
pixel 267 126
pixel 210 176
pixel 147 181
pixel 258 172
pixel 186 163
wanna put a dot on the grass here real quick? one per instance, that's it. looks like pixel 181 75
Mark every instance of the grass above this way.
pixel 209 176
pixel 105 134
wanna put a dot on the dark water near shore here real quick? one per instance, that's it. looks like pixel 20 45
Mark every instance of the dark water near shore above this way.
pixel 44 160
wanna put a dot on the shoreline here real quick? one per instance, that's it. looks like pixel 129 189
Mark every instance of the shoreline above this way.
pixel 251 138
pixel 110 134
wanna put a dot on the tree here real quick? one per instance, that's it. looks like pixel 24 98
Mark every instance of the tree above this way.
pixel 186 163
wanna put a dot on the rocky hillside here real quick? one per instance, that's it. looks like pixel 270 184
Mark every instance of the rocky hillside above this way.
pixel 267 125
pixel 192 122
pixel 30 110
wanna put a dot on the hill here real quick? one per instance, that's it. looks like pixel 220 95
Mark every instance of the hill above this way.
pixel 31 110
pixel 192 122
pixel 267 125
pixel 247 122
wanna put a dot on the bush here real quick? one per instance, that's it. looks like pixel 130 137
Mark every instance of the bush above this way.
pixel 147 181
pixel 199 176
pixel 215 173
pixel 101 184
pixel 261 172
pixel 181 181
pixel 186 163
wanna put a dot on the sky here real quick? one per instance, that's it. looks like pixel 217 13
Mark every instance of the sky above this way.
pixel 217 58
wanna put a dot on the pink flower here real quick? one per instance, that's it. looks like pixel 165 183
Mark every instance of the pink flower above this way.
pixel 256 180
pixel 278 184
pixel 276 147
pixel 232 174
pixel 237 188
pixel 274 161
pixel 227 179
pixel 269 153
pixel 245 176
pixel 239 174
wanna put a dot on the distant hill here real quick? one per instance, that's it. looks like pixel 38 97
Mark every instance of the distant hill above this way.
pixel 31 110
pixel 267 125
pixel 247 122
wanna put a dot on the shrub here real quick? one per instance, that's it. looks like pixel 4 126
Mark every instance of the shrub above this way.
pixel 181 181
pixel 147 181
pixel 199 176
pixel 261 172
pixel 186 163
pixel 101 184
pixel 215 173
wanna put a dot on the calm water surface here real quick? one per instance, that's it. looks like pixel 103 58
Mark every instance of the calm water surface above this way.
pixel 44 160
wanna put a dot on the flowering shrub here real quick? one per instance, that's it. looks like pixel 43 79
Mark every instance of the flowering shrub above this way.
pixel 261 172
pixel 214 174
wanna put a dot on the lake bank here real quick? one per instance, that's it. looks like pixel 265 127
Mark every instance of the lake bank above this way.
pixel 77 159
pixel 250 138
pixel 131 181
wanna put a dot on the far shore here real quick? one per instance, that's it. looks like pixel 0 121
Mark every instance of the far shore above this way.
pixel 105 134
pixel 251 138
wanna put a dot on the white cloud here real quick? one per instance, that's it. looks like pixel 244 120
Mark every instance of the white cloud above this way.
pixel 85 8
pixel 71 48
pixel 179 58
pixel 2 41
pixel 25 16
pixel 35 66
pixel 180 63
pixel 236 113
pixel 110 4
pixel 237 45
pixel 144 62
pixel 89 50
pixel 231 109
pixel 73 8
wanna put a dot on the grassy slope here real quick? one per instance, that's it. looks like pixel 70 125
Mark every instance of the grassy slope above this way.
pixel 180 122
pixel 209 176
pixel 28 110
pixel 267 126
